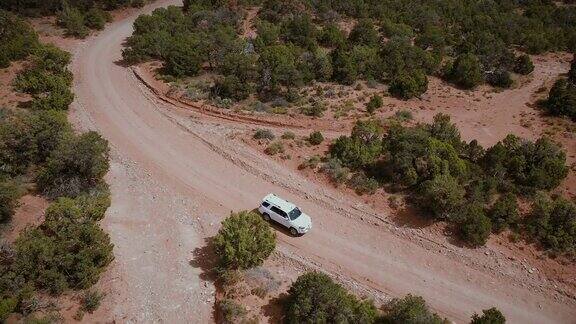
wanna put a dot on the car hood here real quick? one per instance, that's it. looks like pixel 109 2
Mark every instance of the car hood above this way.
pixel 302 221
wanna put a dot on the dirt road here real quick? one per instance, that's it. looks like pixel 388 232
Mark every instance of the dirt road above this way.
pixel 175 175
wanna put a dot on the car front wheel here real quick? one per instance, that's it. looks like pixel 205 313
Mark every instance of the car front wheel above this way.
pixel 266 217
pixel 293 231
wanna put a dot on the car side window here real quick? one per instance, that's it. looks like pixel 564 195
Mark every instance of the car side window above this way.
pixel 265 204
pixel 278 211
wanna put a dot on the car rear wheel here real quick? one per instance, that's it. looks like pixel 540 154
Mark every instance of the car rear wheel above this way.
pixel 266 217
pixel 293 231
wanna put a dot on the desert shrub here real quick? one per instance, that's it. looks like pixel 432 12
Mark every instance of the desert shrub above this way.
pixel 96 18
pixel 345 69
pixel 17 145
pixel 391 29
pixel 299 30
pixel 374 104
pixel 7 306
pixel 526 165
pixel 332 36
pixel 314 297
pixel 410 310
pixel 274 148
pixel 562 99
pixel 417 154
pixel 72 20
pixel 183 58
pixel 91 300
pixel 504 212
pixel 77 164
pixel 553 223
pixel 17 38
pixel 312 162
pixel 400 56
pixel 363 184
pixel 489 316
pixel 406 86
pixel 403 115
pixel 362 148
pixel 364 33
pixel 244 241
pixel 475 226
pixel 231 87
pixel 316 109
pixel 268 34
pixel 335 171
pixel 500 78
pixel 231 311
pixel 9 195
pixel 288 135
pixel 523 65
pixel 442 195
pixel 315 138
pixel 466 71
pixel 263 134
pixel 69 250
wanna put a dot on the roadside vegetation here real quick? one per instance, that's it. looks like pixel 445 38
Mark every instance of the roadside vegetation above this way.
pixel 76 17
pixel 474 188
pixel 41 154
pixel 399 43
pixel 561 100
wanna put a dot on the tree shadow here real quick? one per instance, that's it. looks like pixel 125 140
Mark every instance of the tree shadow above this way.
pixel 274 310
pixel 205 259
pixel 412 217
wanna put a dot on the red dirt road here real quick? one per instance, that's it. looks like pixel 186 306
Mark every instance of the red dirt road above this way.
pixel 176 174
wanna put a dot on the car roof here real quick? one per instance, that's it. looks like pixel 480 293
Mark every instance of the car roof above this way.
pixel 279 202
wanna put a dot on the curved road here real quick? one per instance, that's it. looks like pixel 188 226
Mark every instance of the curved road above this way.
pixel 174 176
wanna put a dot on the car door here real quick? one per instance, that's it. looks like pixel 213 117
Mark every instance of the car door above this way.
pixel 279 216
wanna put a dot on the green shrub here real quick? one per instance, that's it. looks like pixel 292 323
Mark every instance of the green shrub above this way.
pixel 17 38
pixel 69 250
pixel 529 166
pixel 442 195
pixel 562 99
pixel 404 115
pixel 231 87
pixel 263 134
pixel 553 223
pixel 76 165
pixel 312 162
pixel 183 57
pixel 374 104
pixel 475 226
pixel 489 316
pixel 7 306
pixel 244 241
pixel 96 18
pixel 288 135
pixel 406 86
pixel 523 65
pixel 364 33
pixel 315 298
pixel 500 78
pixel 314 110
pixel 91 300
pixel 504 212
pixel 332 36
pixel 466 71
pixel 410 310
pixel 9 195
pixel 72 20
pixel 315 138
pixel 274 148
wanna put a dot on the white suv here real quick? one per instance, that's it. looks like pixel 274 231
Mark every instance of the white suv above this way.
pixel 285 213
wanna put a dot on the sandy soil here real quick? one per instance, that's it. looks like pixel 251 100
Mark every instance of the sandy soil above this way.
pixel 177 172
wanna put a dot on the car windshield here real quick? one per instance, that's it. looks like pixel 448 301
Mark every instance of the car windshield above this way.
pixel 295 213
